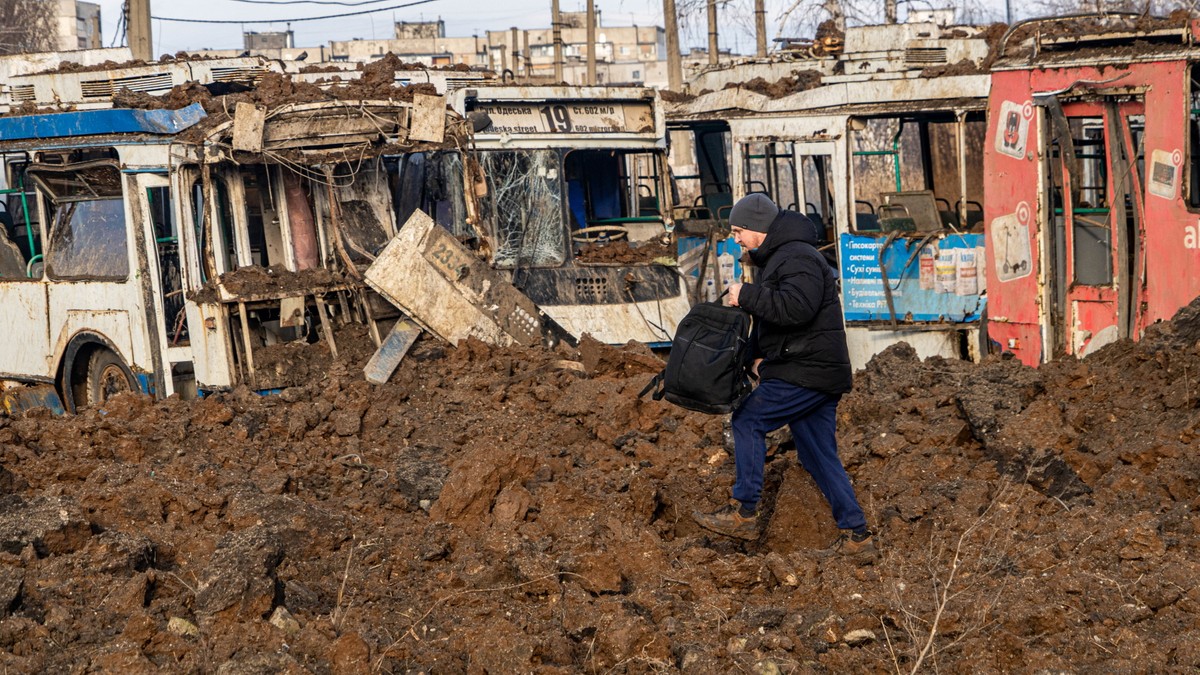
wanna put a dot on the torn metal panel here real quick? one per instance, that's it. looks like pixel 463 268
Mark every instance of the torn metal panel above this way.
pixel 428 274
pixel 99 122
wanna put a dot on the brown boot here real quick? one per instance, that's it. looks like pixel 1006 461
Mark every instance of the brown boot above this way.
pixel 860 547
pixel 729 521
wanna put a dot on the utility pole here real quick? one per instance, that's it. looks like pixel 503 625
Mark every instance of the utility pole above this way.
pixel 760 27
pixel 713 54
pixel 525 51
pixel 889 11
pixel 591 43
pixel 674 58
pixel 516 51
pixel 558 44
pixel 138 29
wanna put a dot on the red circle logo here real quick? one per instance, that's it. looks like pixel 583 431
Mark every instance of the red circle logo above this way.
pixel 1023 213
pixel 1177 157
pixel 1027 110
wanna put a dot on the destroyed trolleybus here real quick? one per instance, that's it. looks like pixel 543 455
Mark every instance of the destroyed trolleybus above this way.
pixel 176 252
pixel 881 150
pixel 573 192
pixel 1093 163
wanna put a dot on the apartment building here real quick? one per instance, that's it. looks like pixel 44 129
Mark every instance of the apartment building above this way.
pixel 625 54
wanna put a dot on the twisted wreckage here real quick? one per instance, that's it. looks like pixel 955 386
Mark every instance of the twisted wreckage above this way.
pixel 201 239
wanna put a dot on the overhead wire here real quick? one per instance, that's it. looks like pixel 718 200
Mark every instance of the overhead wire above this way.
pixel 294 20
pixel 310 2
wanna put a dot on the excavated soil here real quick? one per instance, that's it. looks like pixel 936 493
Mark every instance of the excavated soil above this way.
pixel 800 80
pixel 507 510
pixel 622 252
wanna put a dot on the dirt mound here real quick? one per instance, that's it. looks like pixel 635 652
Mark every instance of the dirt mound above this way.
pixel 512 510
pixel 801 80
pixel 622 252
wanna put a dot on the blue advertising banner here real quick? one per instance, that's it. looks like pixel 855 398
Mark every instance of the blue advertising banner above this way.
pixel 941 279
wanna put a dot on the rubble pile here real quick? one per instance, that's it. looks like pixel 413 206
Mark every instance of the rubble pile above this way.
pixel 511 510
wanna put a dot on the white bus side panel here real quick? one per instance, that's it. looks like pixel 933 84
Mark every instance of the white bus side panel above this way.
pixel 651 321
pixel 865 343
pixel 27 335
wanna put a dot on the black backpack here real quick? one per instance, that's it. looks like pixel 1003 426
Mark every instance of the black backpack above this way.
pixel 707 368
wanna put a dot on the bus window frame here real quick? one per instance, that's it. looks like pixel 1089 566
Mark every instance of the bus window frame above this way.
pixel 46 196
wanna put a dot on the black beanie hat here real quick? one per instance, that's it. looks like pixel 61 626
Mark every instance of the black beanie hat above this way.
pixel 754 212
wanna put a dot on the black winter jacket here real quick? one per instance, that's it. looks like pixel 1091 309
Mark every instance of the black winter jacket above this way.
pixel 797 311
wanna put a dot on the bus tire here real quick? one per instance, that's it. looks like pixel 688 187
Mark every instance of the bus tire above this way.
pixel 107 376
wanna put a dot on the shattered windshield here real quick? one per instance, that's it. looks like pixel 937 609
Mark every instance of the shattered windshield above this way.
pixel 524 203
pixel 88 241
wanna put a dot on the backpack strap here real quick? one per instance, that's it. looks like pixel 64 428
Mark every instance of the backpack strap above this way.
pixel 655 385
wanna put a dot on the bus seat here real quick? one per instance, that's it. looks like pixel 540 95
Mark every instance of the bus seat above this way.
pixel 719 203
pixel 894 218
pixel 866 222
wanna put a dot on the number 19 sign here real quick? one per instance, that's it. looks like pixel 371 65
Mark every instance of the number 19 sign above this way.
pixel 569 118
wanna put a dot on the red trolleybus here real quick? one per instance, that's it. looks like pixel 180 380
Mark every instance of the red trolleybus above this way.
pixel 1093 178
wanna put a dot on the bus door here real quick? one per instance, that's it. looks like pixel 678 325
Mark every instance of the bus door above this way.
pixel 1093 220
pixel 22 290
pixel 815 183
pixel 172 251
pixel 93 271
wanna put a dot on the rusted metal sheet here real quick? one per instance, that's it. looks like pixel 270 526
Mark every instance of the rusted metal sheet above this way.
pixel 20 399
pixel 429 275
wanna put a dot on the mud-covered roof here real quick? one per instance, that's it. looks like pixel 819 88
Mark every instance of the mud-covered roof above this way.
pixel 1096 39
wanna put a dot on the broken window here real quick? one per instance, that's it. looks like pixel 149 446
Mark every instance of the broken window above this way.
pixel 364 222
pixel 88 238
pixel 614 194
pixel 816 176
pixel 909 173
pixel 700 158
pixel 770 168
pixel 1091 231
pixel 170 261
pixel 524 204
pixel 20 234
pixel 262 218
pixel 224 241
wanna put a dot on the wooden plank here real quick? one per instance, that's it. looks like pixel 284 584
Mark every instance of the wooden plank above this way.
pixel 246 341
pixel 326 330
pixel 428 119
pixel 248 120
pixel 397 343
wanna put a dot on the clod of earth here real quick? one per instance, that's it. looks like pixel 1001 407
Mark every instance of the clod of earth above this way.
pixel 488 510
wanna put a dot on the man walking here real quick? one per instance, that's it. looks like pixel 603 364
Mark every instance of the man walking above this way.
pixel 803 365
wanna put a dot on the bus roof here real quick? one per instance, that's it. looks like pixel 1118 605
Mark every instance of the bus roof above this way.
pixel 99 123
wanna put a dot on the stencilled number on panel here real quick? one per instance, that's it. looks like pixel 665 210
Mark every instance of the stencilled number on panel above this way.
pixel 558 119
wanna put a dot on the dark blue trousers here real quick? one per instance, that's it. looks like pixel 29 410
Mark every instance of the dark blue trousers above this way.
pixel 812 416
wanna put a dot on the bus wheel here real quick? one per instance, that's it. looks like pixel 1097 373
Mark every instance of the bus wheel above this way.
pixel 106 377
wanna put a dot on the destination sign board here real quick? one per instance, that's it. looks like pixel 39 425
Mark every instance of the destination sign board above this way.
pixel 569 117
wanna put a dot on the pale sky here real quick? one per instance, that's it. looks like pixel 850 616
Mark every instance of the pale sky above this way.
pixel 463 18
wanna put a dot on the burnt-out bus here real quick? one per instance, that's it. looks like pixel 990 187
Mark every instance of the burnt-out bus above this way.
pixel 574 204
